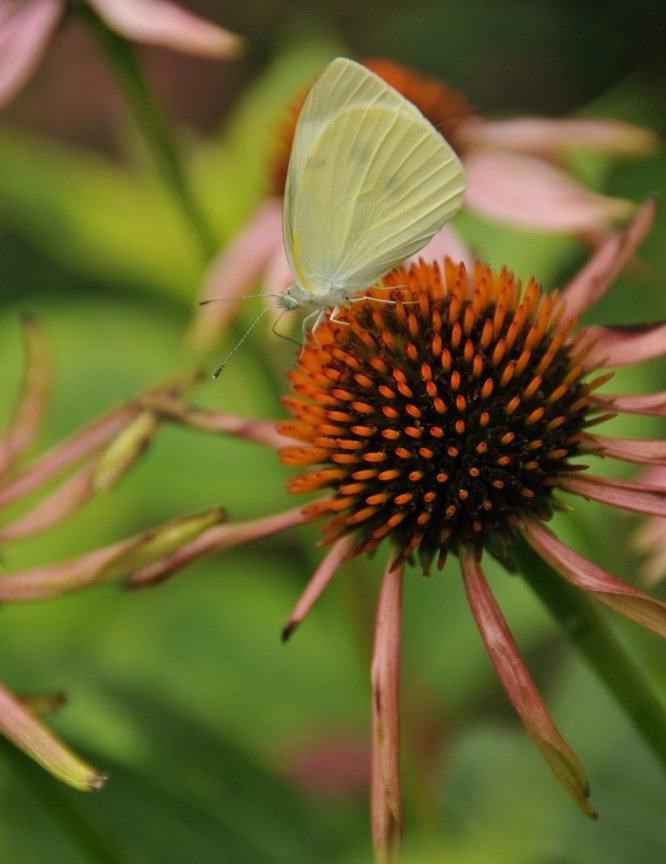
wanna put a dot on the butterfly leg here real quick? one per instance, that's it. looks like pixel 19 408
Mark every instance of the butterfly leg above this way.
pixel 333 317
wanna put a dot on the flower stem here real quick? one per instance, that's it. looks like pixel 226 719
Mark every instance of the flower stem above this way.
pixel 150 119
pixel 586 628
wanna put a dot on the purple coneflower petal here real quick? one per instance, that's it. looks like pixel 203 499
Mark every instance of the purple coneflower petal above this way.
pixel 638 497
pixel 651 404
pixel 215 539
pixel 386 799
pixel 25 30
pixel 157 22
pixel 218 422
pixel 234 271
pixel 594 279
pixel 546 136
pixel 317 584
pixel 624 346
pixel 519 686
pixel 628 449
pixel 628 601
pixel 529 193
pixel 108 562
pixel 33 400
pixel 19 725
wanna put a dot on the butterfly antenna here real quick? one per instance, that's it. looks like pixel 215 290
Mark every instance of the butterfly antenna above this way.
pixel 223 365
pixel 238 297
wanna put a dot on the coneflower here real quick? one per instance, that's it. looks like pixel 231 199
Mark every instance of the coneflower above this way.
pixel 512 176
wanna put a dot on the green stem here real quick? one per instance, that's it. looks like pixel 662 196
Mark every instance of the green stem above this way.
pixel 95 846
pixel 153 125
pixel 586 628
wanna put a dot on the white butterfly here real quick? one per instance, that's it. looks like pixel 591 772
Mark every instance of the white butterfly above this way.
pixel 370 182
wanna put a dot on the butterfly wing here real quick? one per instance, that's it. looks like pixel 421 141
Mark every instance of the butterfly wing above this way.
pixel 370 182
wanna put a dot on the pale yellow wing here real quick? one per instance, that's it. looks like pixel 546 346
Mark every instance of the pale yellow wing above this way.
pixel 370 181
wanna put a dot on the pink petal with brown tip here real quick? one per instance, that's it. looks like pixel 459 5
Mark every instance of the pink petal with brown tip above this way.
pixel 624 346
pixel 20 726
pixel 638 497
pixel 651 404
pixel 158 22
pixel 627 449
pixel 545 136
pixel 520 688
pixel 529 193
pixel 622 598
pixel 25 30
pixel 234 272
pixel 593 280
pixel 33 399
pixel 385 794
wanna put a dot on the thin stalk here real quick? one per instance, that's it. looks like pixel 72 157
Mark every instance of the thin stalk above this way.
pixel 584 625
pixel 150 119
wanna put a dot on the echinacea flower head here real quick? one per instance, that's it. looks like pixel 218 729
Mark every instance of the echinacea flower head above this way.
pixel 513 177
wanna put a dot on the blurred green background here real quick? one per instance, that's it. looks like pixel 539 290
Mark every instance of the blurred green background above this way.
pixel 220 744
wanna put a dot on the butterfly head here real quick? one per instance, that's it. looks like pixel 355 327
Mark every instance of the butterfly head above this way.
pixel 294 297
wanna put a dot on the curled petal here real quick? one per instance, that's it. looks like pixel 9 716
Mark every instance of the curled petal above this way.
pixel 639 497
pixel 25 30
pixel 447 243
pixel 218 422
pixel 83 442
pixel 519 686
pixel 628 601
pixel 124 450
pixel 627 449
pixel 60 504
pixel 234 271
pixel 624 346
pixel 386 799
pixel 216 539
pixel 317 584
pixel 158 22
pixel 652 404
pixel 33 401
pixel 545 136
pixel 108 562
pixel 19 725
pixel 529 193
pixel 593 280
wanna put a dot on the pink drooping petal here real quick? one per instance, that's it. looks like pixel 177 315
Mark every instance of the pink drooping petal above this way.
pixel 520 687
pixel 653 569
pixel 447 243
pixel 545 136
pixel 317 584
pixel 638 497
pixel 593 280
pixel 218 422
pixel 216 539
pixel 20 726
pixel 278 276
pixel 385 794
pixel 624 346
pixel 25 30
pixel 628 449
pixel 107 563
pixel 529 193
pixel 56 507
pixel 234 272
pixel 158 22
pixel 33 400
pixel 85 441
pixel 651 404
pixel 628 601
